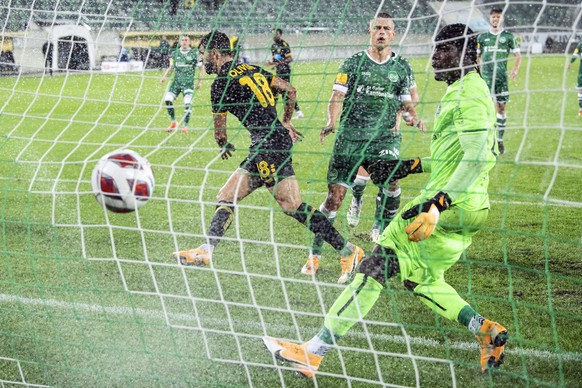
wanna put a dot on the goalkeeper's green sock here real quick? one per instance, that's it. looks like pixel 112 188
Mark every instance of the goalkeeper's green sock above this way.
pixel 471 319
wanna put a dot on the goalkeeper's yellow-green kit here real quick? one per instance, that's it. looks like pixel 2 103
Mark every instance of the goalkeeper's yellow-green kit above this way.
pixel 462 154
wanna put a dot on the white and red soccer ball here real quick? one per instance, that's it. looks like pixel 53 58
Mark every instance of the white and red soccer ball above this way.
pixel 122 181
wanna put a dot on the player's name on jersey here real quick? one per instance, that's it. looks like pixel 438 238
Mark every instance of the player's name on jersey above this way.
pixel 240 69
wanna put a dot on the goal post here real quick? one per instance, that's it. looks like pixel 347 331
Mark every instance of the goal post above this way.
pixel 90 297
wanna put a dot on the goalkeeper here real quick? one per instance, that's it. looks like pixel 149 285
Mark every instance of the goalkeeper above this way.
pixel 417 244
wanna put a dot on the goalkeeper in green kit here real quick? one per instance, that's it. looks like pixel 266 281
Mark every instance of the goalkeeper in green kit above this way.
pixel 431 232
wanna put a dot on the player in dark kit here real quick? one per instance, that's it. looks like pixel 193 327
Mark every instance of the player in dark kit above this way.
pixel 247 92
pixel 281 58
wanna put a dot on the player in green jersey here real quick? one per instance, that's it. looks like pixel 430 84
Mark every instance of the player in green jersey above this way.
pixel 494 48
pixel 577 53
pixel 372 86
pixel 184 61
pixel 362 179
pixel 416 244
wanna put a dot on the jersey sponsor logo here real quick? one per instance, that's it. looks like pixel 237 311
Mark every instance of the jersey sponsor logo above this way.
pixel 375 91
pixel 393 76
pixel 341 78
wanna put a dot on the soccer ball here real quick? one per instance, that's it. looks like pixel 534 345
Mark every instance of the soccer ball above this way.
pixel 122 181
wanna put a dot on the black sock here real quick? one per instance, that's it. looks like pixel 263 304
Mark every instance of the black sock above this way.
pixel 170 108
pixel 318 223
pixel 220 222
pixel 187 113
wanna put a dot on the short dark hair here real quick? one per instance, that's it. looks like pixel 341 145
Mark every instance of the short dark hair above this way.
pixel 280 31
pixel 461 36
pixel 495 10
pixel 383 15
pixel 216 40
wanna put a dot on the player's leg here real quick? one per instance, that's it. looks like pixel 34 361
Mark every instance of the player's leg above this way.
pixel 387 205
pixel 276 171
pixel 341 171
pixel 287 194
pixel 351 306
pixel 169 99
pixel 502 97
pixel 425 278
pixel 358 187
pixel 239 185
pixel 188 96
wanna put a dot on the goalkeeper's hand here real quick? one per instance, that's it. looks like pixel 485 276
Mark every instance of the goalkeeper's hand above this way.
pixel 428 214
pixel 226 150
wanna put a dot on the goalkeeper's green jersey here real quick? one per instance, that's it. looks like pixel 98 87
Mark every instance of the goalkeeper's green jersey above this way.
pixel 466 109
pixel 185 63
pixel 494 50
pixel 374 92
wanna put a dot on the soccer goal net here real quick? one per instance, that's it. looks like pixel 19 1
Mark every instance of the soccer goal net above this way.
pixel 90 297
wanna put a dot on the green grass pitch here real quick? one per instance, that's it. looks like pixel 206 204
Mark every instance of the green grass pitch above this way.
pixel 90 298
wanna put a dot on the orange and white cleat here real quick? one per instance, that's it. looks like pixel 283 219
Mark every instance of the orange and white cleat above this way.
pixel 312 265
pixel 492 338
pixel 349 264
pixel 173 125
pixel 198 257
pixel 304 363
pixel 184 129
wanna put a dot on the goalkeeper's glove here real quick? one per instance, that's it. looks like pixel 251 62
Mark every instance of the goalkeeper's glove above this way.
pixel 428 216
pixel 226 150
pixel 384 170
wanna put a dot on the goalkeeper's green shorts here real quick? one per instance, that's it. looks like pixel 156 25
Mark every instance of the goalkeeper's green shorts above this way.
pixel 426 261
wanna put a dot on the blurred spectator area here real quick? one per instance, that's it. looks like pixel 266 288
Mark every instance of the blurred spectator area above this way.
pixel 245 17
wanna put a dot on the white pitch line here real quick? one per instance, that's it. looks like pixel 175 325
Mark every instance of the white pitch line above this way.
pixel 155 314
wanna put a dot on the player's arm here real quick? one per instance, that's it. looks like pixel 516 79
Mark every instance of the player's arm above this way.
pixel 201 77
pixel 334 110
pixel 516 65
pixel 280 86
pixel 288 58
pixel 221 137
pixel 168 71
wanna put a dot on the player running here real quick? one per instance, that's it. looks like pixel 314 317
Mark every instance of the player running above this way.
pixel 416 245
pixel 372 86
pixel 184 61
pixel 493 50
pixel 247 92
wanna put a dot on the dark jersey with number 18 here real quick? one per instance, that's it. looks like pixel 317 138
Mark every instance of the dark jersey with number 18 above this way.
pixel 244 90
